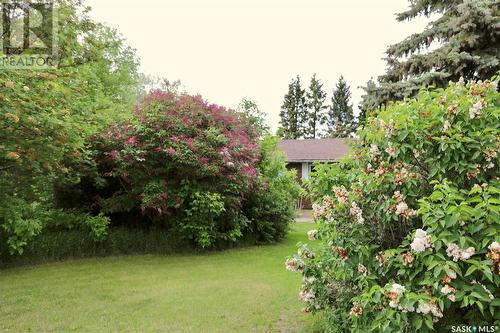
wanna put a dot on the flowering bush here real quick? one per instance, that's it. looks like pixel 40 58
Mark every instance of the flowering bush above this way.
pixel 182 164
pixel 409 222
pixel 193 168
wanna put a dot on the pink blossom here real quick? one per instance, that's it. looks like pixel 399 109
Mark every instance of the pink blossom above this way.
pixel 132 140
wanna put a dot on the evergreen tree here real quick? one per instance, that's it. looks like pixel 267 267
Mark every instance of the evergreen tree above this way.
pixel 293 114
pixel 369 101
pixel 288 114
pixel 340 121
pixel 468 46
pixel 316 107
pixel 302 111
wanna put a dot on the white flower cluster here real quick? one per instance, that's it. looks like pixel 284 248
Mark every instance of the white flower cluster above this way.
pixel 494 247
pixel 449 291
pixel 307 296
pixel 327 201
pixel 341 194
pixel 491 155
pixel 312 234
pixel 401 208
pixel 421 242
pixel 394 294
pixel 374 152
pixel 356 310
pixel 388 127
pixel 398 289
pixel 453 108
pixel 494 256
pixel 424 308
pixel 446 126
pixel 442 100
pixel 318 210
pixel 408 258
pixel 381 259
pixel 401 175
pixel 391 150
pixel 294 265
pixel 381 170
pixel 362 269
pixel 475 110
pixel 458 254
pixel 357 213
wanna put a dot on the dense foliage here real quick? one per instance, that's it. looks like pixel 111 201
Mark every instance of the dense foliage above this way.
pixel 270 206
pixel 463 40
pixel 46 117
pixel 75 159
pixel 409 223
pixel 190 167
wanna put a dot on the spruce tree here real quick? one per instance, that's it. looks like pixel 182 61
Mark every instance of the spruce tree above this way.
pixel 316 107
pixel 293 112
pixel 467 45
pixel 340 120
pixel 369 101
pixel 302 110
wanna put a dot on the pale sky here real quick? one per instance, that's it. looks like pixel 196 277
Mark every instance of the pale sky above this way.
pixel 229 49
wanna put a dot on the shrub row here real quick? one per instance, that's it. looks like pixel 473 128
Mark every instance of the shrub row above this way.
pixel 180 167
pixel 73 244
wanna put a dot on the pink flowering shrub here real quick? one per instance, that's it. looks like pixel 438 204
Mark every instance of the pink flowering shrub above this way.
pixel 196 170
pixel 182 164
pixel 409 222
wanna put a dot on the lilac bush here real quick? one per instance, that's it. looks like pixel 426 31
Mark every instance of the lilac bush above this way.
pixel 408 224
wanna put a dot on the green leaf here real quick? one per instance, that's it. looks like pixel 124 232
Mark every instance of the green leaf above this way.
pixel 418 322
pixel 471 270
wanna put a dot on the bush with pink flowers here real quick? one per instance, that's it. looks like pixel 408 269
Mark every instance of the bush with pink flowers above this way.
pixel 409 222
pixel 182 165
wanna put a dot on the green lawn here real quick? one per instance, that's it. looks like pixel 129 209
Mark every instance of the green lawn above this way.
pixel 243 290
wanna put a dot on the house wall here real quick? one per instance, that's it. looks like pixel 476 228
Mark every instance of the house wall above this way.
pixel 305 170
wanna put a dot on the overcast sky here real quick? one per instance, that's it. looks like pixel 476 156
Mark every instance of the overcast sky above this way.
pixel 229 49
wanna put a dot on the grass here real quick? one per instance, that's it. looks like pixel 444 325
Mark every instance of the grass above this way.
pixel 241 290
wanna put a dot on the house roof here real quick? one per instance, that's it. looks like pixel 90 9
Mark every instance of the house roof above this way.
pixel 310 150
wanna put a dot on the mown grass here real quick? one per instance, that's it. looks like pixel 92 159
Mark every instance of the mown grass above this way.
pixel 240 290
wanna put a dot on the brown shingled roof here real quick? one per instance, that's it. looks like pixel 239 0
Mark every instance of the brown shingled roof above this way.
pixel 304 150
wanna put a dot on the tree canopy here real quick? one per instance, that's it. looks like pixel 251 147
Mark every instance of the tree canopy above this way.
pixel 464 41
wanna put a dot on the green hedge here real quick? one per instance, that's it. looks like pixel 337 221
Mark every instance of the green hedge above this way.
pixel 73 244
pixel 76 244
